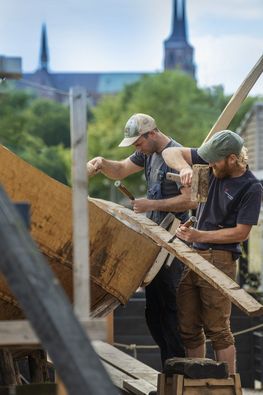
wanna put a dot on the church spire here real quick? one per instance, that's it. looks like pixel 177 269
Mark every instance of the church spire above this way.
pixel 44 49
pixel 178 52
pixel 178 23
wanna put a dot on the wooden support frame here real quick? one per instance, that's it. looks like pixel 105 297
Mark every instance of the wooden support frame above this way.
pixel 21 334
pixel 78 132
pixel 46 305
pixel 179 385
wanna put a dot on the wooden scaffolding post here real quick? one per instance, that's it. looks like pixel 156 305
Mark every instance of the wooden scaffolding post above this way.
pixel 78 132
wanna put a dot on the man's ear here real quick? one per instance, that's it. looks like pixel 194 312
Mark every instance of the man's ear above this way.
pixel 152 134
pixel 232 159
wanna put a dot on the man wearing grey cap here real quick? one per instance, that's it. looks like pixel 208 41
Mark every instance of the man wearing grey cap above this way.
pixel 163 196
pixel 225 220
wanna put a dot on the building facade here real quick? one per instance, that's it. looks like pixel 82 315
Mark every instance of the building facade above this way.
pixel 251 129
pixel 178 54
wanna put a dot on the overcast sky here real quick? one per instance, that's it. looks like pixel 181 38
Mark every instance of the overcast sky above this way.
pixel 128 35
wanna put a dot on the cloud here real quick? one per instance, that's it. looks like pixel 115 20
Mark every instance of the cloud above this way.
pixel 227 60
pixel 230 9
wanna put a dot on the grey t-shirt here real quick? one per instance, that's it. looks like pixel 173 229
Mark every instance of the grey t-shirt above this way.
pixel 158 187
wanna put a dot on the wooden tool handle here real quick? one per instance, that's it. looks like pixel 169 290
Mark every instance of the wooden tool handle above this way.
pixel 173 177
pixel 190 222
pixel 124 190
pixel 236 100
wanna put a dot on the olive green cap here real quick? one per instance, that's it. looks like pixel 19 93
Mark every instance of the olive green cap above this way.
pixel 221 145
pixel 137 125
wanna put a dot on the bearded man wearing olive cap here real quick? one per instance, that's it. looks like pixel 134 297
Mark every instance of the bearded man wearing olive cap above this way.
pixel 163 196
pixel 225 220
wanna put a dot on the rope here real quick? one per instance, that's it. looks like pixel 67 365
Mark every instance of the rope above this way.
pixel 135 347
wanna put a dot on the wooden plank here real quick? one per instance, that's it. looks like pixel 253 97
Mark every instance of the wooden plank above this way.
pixel 178 384
pixel 113 278
pixel 17 333
pixel 78 133
pixel 123 362
pixel 38 366
pixel 47 307
pixel 20 333
pixel 237 384
pixel 7 368
pixel 161 384
pixel 208 382
pixel 138 386
pixel 187 255
pixel 174 226
pixel 236 100
pixel 110 329
pixel 117 376
pixel 200 183
pixel 61 390
pixel 162 257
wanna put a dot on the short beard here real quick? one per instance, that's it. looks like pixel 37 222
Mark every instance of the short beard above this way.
pixel 152 148
pixel 222 173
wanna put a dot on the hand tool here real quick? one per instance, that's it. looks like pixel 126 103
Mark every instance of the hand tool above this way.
pixel 199 185
pixel 190 222
pixel 118 184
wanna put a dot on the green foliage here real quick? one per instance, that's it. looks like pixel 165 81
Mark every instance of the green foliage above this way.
pixel 37 130
pixel 49 121
pixel 182 110
pixel 54 161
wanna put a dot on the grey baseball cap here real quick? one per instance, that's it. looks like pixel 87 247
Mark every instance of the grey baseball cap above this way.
pixel 221 145
pixel 137 125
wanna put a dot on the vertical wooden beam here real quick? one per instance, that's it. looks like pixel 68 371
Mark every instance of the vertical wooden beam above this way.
pixel 37 361
pixel 110 328
pixel 78 131
pixel 7 368
pixel 44 302
pixel 61 390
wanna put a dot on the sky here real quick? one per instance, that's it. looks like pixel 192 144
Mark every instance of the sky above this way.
pixel 128 35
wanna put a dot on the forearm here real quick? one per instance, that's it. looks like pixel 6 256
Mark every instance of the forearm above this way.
pixel 177 158
pixel 112 169
pixel 221 236
pixel 175 204
pixel 116 170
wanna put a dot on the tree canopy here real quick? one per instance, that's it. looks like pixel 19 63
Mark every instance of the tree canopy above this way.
pixel 38 129
pixel 181 109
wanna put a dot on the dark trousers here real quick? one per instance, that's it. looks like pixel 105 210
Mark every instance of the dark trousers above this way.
pixel 161 312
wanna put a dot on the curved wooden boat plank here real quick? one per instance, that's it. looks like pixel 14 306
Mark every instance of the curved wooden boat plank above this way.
pixel 123 245
pixel 120 258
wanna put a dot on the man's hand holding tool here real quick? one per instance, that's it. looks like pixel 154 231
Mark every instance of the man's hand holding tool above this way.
pixel 186 231
pixel 184 228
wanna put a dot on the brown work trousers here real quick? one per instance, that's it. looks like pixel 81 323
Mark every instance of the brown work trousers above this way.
pixel 203 311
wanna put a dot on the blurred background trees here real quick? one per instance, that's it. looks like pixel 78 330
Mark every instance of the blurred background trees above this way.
pixel 38 130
